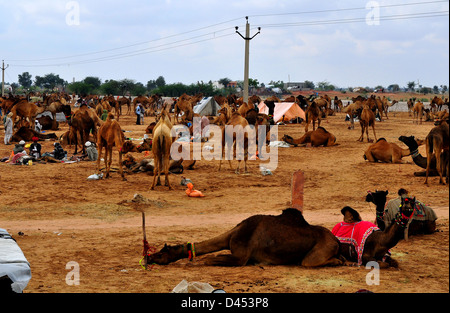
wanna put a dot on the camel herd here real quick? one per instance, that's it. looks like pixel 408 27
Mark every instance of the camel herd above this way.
pixel 256 239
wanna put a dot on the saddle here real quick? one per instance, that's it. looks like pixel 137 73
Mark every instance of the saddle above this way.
pixel 354 234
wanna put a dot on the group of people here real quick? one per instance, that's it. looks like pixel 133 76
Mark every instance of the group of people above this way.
pixel 8 123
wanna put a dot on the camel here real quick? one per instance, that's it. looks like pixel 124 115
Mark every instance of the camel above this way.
pixel 418 112
pixel 371 244
pixel 387 152
pixel 109 135
pixel 323 103
pixel 312 114
pixel 318 137
pixel 127 101
pixel 352 109
pixel 26 134
pixel 82 124
pixel 410 105
pixel 386 105
pixel 437 102
pixel 367 119
pixel 148 165
pixel 337 104
pixel 185 104
pixel 262 239
pixel 421 161
pixel 422 222
pixel 26 110
pixel 436 141
pixel 236 120
pixel 162 141
pixel 58 106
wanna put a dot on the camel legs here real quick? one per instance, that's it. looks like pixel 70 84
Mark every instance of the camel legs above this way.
pixel 374 134
pixel 156 172
pixel 108 166
pixel 322 255
pixel 120 166
pixel 166 162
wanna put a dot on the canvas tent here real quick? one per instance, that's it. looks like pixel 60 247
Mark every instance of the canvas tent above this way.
pixel 207 106
pixel 290 110
pixel 15 272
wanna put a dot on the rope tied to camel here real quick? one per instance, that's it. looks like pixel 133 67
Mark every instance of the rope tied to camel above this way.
pixel 191 250
pixel 148 250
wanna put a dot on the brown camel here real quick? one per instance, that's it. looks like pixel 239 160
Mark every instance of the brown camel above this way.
pixel 230 132
pixel 262 239
pixel 26 111
pixel 125 101
pixel 352 109
pixel 162 141
pixel 422 222
pixel 436 103
pixel 386 152
pixel 56 107
pixel 312 114
pixel 387 105
pixel 374 244
pixel 82 124
pixel 367 119
pixel 109 135
pixel 26 134
pixel 318 137
pixel 185 104
pixel 436 141
pixel 418 112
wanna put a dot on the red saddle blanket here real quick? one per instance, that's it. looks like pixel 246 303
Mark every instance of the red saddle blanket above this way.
pixel 354 234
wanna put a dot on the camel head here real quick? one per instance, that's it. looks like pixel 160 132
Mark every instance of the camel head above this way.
pixel 287 138
pixel 407 207
pixel 410 141
pixel 350 215
pixel 146 145
pixel 378 198
pixel 166 255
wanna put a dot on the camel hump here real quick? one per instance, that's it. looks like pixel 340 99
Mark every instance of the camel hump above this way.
pixel 320 127
pixel 294 216
pixel 382 139
pixel 110 116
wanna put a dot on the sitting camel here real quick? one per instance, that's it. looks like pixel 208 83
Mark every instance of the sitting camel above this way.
pixel 436 141
pixel 387 152
pixel 421 161
pixel 367 119
pixel 262 239
pixel 318 137
pixel 362 241
pixel 162 141
pixel 422 222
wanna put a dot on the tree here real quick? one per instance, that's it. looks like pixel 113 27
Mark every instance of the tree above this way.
pixel 309 84
pixel 411 85
pixel 110 87
pixel 49 81
pixel 393 87
pixel 95 82
pixel 160 82
pixel 25 80
pixel 253 83
pixel 224 81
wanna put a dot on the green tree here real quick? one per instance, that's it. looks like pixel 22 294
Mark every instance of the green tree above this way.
pixel 110 87
pixel 25 80
pixel 224 81
pixel 309 84
pixel 95 82
pixel 49 81
pixel 160 82
pixel 411 85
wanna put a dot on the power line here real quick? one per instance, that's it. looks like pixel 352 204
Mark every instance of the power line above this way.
pixel 185 42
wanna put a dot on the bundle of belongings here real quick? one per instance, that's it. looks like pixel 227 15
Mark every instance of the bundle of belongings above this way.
pixel 15 272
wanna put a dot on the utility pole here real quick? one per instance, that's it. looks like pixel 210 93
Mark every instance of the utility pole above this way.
pixel 3 77
pixel 247 39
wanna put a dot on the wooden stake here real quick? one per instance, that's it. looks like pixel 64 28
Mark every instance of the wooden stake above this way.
pixel 297 190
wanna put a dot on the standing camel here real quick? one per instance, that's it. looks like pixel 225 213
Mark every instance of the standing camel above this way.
pixel 313 114
pixel 162 141
pixel 367 119
pixel 418 112
pixel 436 141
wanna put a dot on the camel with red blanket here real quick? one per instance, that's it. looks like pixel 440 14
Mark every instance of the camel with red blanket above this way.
pixel 262 239
pixel 362 241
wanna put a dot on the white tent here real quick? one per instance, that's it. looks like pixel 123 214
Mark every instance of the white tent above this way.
pixel 207 106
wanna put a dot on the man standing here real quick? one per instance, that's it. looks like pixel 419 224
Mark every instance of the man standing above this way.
pixel 8 128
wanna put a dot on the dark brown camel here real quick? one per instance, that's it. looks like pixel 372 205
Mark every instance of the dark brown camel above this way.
pixel 26 134
pixel 377 242
pixel 263 239
pixel 436 141
pixel 418 225
pixel 387 152
pixel 318 137
pixel 421 161
pixel 82 125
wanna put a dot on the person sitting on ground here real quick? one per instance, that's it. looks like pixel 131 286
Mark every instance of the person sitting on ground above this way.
pixel 91 151
pixel 58 152
pixel 20 147
pixel 35 148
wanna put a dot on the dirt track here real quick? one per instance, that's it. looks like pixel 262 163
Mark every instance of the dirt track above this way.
pixel 65 217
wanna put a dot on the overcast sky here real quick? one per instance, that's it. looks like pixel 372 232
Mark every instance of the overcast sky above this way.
pixel 347 43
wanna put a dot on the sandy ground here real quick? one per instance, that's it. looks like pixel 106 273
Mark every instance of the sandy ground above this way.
pixel 66 218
